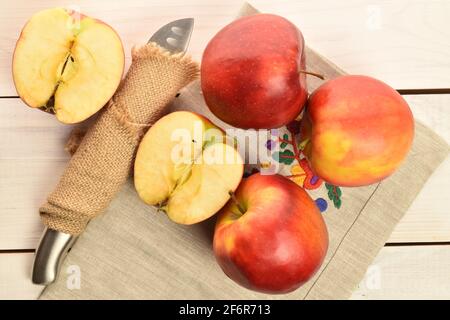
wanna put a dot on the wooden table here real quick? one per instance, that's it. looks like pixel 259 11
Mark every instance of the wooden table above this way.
pixel 405 43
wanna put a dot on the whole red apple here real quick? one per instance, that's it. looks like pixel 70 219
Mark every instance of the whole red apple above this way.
pixel 356 130
pixel 250 72
pixel 271 236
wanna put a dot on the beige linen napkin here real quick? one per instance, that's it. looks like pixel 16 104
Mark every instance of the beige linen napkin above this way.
pixel 135 252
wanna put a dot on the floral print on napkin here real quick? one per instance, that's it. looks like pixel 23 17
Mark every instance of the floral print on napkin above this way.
pixel 286 151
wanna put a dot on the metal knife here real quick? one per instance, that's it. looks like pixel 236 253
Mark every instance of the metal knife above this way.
pixel 54 245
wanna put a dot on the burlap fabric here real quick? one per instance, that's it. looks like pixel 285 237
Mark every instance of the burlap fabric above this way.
pixel 102 162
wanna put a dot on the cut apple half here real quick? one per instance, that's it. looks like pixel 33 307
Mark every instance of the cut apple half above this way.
pixel 186 167
pixel 67 64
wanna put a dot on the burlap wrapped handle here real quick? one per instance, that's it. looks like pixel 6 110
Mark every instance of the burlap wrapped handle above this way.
pixel 102 161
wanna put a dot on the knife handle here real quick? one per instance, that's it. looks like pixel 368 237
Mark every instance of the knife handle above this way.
pixel 53 248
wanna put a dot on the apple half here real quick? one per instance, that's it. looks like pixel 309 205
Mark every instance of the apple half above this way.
pixel 67 64
pixel 186 167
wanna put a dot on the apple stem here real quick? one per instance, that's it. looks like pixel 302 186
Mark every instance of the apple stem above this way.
pixel 236 202
pixel 303 144
pixel 161 207
pixel 318 75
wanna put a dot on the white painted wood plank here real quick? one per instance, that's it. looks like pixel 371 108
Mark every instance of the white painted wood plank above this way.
pixel 15 273
pixel 32 159
pixel 408 272
pixel 25 184
pixel 433 111
pixel 404 42
pixel 401 42
pixel 428 218
pixel 27 133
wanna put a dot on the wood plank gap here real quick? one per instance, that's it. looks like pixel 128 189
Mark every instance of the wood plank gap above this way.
pixel 424 91
pixel 8 251
pixel 401 91
pixel 411 244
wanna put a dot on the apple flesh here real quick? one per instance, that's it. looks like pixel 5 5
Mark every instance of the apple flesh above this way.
pixel 356 130
pixel 276 241
pixel 185 166
pixel 250 72
pixel 67 63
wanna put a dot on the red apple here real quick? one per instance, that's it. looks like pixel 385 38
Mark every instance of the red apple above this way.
pixel 271 236
pixel 356 130
pixel 250 72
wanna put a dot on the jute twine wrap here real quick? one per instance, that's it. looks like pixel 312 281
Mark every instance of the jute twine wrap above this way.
pixel 102 162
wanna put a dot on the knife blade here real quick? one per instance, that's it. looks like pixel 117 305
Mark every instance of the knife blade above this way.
pixel 174 36
pixel 54 245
